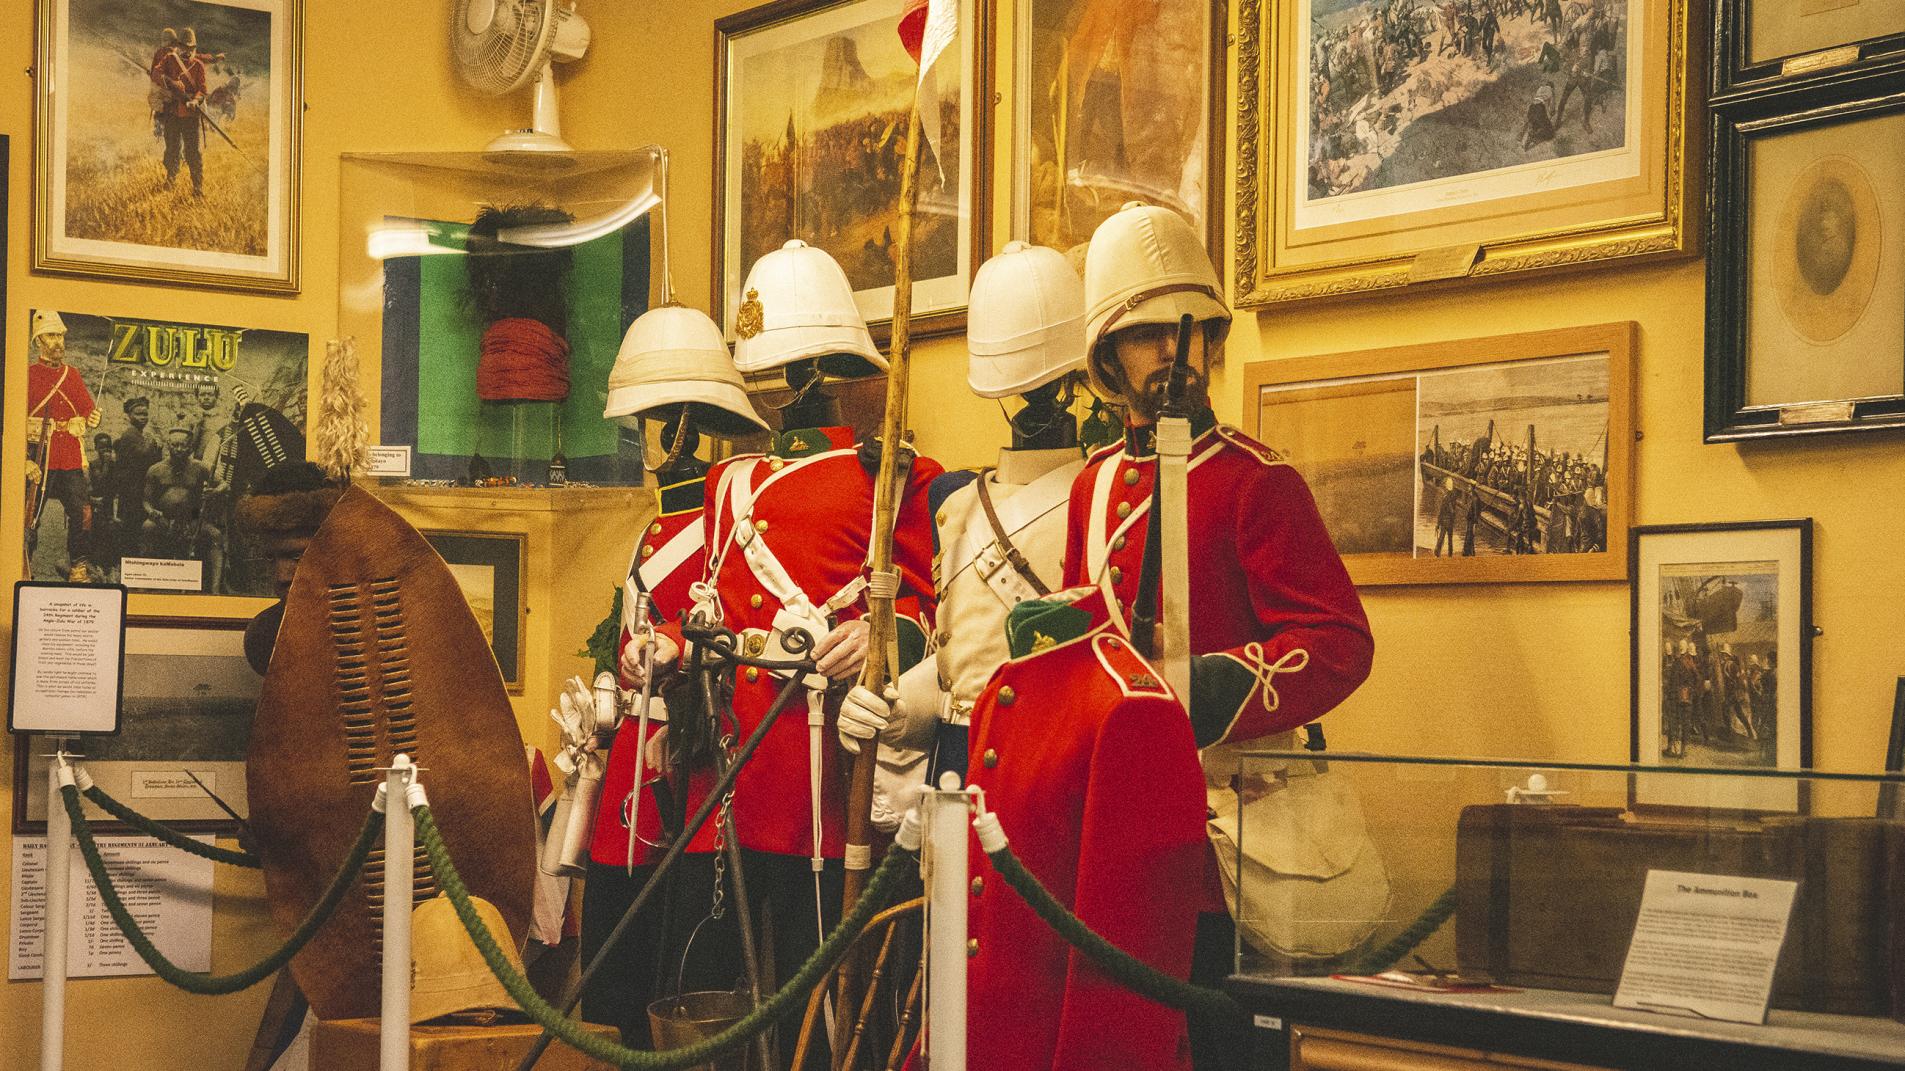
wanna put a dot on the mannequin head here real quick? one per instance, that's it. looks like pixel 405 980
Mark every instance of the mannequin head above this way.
pixel 813 404
pixel 1046 422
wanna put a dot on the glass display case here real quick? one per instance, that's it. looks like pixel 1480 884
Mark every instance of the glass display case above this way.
pixel 1462 901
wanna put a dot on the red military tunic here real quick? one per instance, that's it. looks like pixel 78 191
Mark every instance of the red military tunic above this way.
pixel 58 394
pixel 1089 763
pixel 814 511
pixel 1268 591
pixel 669 557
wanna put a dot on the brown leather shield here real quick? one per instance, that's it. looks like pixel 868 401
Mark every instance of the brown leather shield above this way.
pixel 379 654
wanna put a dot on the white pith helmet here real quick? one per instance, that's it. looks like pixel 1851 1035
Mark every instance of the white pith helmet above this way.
pixel 1145 265
pixel 47 322
pixel 798 304
pixel 1026 320
pixel 672 355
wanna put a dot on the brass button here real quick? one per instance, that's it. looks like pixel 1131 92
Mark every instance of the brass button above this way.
pixel 775 463
pixel 760 526
pixel 654 529
pixel 978 886
pixel 972 947
pixel 1131 477
pixel 1113 643
pixel 753 645
pixel 942 637
pixel 1007 696
pixel 990 758
pixel 940 517
pixel 1118 543
pixel 1117 575
pixel 1124 510
pixel 753 674
pixel 754 601
pixel 648 550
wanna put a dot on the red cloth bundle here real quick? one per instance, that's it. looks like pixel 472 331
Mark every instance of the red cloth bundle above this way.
pixel 522 361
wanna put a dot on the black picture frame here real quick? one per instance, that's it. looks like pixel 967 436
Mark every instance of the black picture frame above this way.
pixel 1891 805
pixel 1736 75
pixel 1734 128
pixel 1639 635
pixel 506 554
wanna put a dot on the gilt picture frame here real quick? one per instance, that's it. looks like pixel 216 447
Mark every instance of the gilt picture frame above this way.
pixel 811 107
pixel 159 163
pixel 1376 153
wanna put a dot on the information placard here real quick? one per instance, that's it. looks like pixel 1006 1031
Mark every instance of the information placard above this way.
pixel 1706 945
pixel 69 657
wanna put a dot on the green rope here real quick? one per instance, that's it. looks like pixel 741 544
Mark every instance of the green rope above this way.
pixel 1123 967
pixel 167 834
pixel 212 984
pixel 793 994
pixel 1405 942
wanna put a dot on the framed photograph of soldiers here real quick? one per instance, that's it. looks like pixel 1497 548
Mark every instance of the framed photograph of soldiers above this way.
pixel 1806 273
pixel 185 713
pixel 1757 43
pixel 166 141
pixel 1115 101
pixel 490 567
pixel 1722 659
pixel 812 100
pixel 1387 143
pixel 1481 460
pixel 141 437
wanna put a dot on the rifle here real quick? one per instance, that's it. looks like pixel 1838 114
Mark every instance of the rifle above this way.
pixel 1173 438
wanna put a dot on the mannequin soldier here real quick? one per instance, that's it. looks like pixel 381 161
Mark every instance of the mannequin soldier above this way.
pixel 59 412
pixel 673 368
pixel 1277 634
pixel 787 537
pixel 1000 535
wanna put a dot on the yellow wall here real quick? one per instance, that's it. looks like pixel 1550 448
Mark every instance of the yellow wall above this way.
pixel 1533 670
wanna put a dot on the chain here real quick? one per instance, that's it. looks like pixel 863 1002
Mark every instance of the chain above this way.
pixel 720 906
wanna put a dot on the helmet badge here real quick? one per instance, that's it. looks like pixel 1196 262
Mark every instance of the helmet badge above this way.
pixel 750 318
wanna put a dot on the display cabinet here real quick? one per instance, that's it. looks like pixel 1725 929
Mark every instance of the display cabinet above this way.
pixel 1443 914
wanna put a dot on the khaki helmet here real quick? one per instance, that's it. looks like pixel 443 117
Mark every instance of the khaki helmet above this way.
pixel 47 322
pixel 447 973
pixel 798 304
pixel 1027 321
pixel 673 355
pixel 1145 265
pixel 188 37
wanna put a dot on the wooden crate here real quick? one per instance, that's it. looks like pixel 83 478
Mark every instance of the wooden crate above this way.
pixel 351 1045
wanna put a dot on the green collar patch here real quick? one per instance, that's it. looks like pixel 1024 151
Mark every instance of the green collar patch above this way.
pixel 1036 624
pixel 801 442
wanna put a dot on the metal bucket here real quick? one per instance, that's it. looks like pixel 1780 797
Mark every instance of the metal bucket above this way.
pixel 691 1017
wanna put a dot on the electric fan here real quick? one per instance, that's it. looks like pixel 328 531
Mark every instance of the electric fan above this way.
pixel 502 45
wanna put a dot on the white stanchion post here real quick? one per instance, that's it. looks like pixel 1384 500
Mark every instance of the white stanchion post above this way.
pixel 948 816
pixel 53 965
pixel 393 1035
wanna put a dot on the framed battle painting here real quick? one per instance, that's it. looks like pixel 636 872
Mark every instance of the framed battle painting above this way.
pixel 1763 43
pixel 185 722
pixel 492 570
pixel 166 141
pixel 1115 101
pixel 1387 143
pixel 1806 277
pixel 1722 658
pixel 812 100
pixel 1482 460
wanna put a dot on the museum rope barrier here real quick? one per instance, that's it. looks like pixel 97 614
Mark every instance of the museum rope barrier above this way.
pixel 160 831
pixel 215 984
pixel 790 996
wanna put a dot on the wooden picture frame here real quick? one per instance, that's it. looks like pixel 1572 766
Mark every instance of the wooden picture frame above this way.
pixel 1763 44
pixel 97 213
pixel 1040 138
pixel 188 701
pixel 1720 646
pixel 1376 207
pixel 1805 328
pixel 801 39
pixel 1387 437
pixel 492 568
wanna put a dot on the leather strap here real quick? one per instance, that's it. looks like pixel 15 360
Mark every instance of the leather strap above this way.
pixel 1013 555
pixel 1143 296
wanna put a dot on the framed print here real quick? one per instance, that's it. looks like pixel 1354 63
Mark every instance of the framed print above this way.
pixel 166 141
pixel 1806 278
pixel 1758 43
pixel 490 567
pixel 1721 630
pixel 812 99
pixel 1474 461
pixel 142 435
pixel 1116 101
pixel 1385 145
pixel 189 698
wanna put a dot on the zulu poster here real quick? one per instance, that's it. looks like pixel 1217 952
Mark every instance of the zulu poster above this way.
pixel 141 437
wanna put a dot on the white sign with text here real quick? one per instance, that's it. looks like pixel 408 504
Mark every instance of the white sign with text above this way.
pixel 1706 946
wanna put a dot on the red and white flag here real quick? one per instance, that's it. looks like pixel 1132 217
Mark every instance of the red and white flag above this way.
pixel 928 29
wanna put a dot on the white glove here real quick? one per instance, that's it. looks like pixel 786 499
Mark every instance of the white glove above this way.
pixel 864 715
pixel 575 715
pixel 917 713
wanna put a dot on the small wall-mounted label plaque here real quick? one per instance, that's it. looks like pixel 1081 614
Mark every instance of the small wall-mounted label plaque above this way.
pixel 1820 61
pixel 1816 413
pixel 389 461
pixel 1453 262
